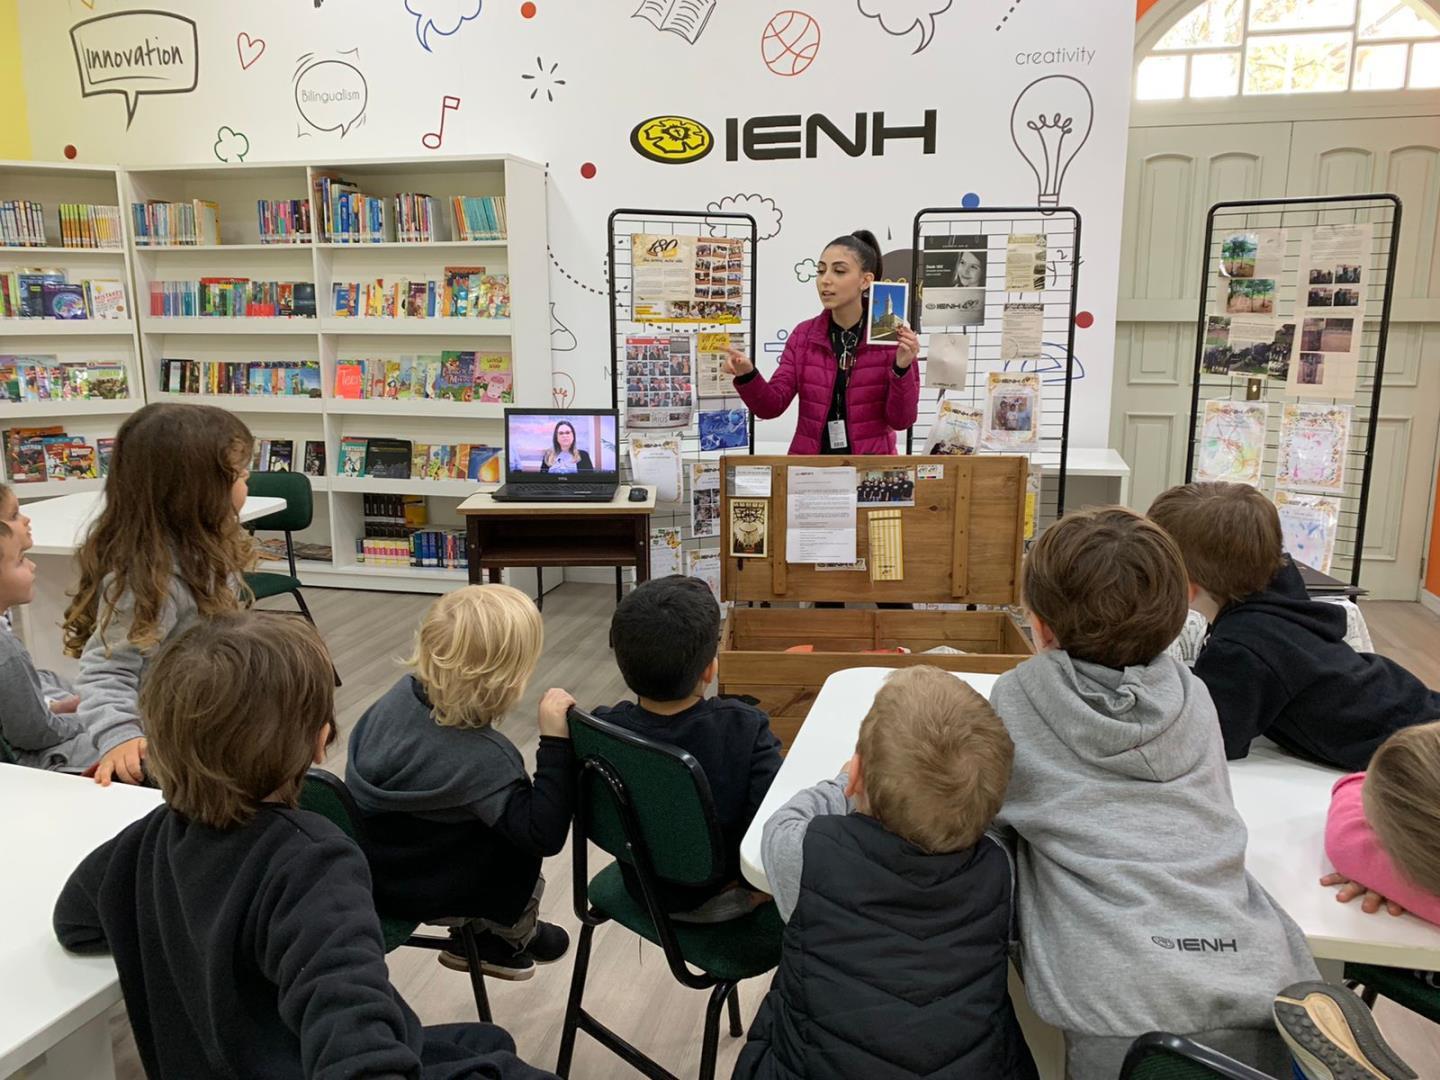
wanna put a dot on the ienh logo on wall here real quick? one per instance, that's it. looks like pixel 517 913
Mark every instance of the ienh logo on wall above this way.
pixel 679 140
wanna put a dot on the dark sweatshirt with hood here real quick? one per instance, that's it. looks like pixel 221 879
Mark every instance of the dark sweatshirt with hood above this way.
pixel 1277 664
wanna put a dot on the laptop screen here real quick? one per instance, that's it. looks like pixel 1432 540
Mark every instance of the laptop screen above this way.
pixel 563 443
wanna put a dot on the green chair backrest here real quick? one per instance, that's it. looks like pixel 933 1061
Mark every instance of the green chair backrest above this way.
pixel 294 488
pixel 668 792
pixel 1161 1056
pixel 325 794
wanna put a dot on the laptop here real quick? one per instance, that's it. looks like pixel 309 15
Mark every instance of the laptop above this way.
pixel 560 455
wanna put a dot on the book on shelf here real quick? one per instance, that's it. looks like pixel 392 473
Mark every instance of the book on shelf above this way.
pixel 43 378
pixel 39 293
pixel 22 223
pixel 273 548
pixel 387 459
pixel 465 292
pixel 251 378
pixel 479 217
pixel 452 375
pixel 35 455
pixel 232 297
pixel 314 462
pixel 87 225
pixel 158 223
pixel 396 532
pixel 272 455
pixel 284 221
pixel 348 216
pixel 352 457
pixel 414 218
pixel 399 459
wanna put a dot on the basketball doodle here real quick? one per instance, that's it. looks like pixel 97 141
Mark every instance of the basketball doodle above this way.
pixel 790 43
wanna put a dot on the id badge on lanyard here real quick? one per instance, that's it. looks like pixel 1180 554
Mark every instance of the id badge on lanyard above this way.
pixel 836 429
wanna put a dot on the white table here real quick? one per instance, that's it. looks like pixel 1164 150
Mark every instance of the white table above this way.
pixel 53 1005
pixel 1282 800
pixel 59 527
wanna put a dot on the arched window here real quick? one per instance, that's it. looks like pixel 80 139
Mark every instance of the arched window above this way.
pixel 1228 47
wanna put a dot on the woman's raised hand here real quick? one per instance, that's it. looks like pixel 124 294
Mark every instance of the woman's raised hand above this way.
pixel 737 364
pixel 909 346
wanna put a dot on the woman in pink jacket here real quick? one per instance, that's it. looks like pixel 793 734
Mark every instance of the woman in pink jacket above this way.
pixel 854 396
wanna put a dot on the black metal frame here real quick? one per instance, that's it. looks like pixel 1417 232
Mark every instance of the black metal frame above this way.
pixel 1177 1046
pixel 1320 204
pixel 466 931
pixel 721 991
pixel 988 213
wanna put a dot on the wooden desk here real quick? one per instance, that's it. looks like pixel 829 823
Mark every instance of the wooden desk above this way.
pixel 501 534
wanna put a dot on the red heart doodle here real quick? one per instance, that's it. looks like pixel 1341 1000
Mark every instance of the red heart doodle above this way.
pixel 249 49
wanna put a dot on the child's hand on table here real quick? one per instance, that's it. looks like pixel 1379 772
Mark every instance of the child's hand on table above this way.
pixel 124 762
pixel 1349 890
pixel 553 707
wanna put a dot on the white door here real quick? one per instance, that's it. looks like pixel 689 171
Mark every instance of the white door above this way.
pixel 1399 155
pixel 1174 176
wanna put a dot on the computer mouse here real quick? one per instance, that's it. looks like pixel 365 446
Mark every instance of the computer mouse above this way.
pixel 638 494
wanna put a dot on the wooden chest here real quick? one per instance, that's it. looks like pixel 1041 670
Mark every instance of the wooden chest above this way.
pixel 961 543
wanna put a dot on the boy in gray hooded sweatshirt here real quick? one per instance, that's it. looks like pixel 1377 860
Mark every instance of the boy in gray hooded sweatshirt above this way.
pixel 1136 912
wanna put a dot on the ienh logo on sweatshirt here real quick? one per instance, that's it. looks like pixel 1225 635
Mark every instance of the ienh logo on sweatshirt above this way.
pixel 1198 944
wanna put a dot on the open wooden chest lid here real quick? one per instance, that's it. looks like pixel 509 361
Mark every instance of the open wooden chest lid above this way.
pixel 962 539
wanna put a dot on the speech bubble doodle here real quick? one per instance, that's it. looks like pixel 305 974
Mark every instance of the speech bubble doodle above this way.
pixel 436 15
pixel 761 207
pixel 230 145
pixel 136 52
pixel 900 17
pixel 806 270
pixel 331 95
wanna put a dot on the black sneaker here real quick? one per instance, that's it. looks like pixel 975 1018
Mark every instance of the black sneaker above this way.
pixel 498 958
pixel 549 944
pixel 1333 1036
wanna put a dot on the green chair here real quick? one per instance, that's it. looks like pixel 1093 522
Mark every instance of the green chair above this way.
pixel 325 794
pixel 1398 984
pixel 299 512
pixel 648 804
pixel 1161 1056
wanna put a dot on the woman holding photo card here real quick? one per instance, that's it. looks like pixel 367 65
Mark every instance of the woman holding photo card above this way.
pixel 855 394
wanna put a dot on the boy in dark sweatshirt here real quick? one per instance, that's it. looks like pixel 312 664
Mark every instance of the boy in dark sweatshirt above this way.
pixel 899 909
pixel 243 929
pixel 666 634
pixel 1276 662
pixel 455 826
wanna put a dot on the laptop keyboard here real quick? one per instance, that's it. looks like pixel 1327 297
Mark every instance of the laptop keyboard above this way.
pixel 555 492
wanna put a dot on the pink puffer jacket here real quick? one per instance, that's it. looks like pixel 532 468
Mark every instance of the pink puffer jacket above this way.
pixel 877 401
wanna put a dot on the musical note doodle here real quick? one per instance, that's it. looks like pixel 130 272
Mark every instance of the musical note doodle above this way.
pixel 431 140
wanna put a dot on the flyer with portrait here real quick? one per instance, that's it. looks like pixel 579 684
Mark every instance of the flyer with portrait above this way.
pixel 1012 411
pixel 953 272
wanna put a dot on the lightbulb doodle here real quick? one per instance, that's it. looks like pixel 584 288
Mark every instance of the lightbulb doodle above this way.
pixel 543 79
pixel 1049 124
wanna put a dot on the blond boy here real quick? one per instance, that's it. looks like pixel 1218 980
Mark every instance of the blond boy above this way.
pixel 456 826
pixel 898 906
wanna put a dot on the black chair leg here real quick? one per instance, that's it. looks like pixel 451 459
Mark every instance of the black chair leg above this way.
pixel 736 1027
pixel 572 1006
pixel 1368 995
pixel 477 972
pixel 619 584
pixel 539 588
pixel 710 1047
pixel 304 608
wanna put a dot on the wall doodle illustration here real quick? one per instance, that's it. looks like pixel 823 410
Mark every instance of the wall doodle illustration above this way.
pixel 443 17
pixel 1049 124
pixel 248 49
pixel 761 207
pixel 543 79
pixel 231 145
pixel 330 95
pixel 136 52
pixel 901 17
pixel 790 43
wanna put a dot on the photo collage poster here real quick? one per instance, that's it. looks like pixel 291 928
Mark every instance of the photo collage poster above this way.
pixel 687 292
pixel 686 279
pixel 1330 310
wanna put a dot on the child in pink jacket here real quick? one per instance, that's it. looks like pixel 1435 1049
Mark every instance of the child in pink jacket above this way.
pixel 1383 832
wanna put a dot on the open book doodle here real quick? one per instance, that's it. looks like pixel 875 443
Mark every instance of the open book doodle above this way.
pixel 1308 524
pixel 684 17
pixel 1313 439
pixel 1232 441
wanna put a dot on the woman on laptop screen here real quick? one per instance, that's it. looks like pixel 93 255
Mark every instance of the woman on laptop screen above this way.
pixel 564 456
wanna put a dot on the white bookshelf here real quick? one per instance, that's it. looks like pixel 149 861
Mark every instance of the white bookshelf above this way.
pixel 329 339
pixel 70 340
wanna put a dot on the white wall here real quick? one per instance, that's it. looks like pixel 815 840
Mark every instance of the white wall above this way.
pixel 968 60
